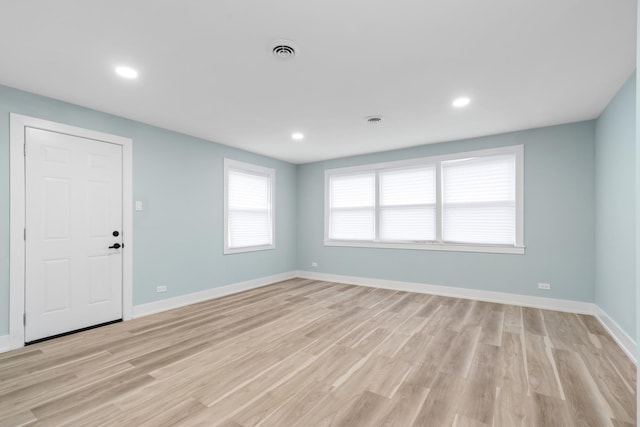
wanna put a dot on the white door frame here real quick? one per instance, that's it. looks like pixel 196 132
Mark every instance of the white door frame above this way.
pixel 17 244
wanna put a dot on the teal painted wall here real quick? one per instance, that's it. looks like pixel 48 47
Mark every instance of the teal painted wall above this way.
pixel 178 238
pixel 615 139
pixel 559 222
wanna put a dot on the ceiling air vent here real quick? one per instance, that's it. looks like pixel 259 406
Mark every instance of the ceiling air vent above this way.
pixel 284 49
pixel 374 120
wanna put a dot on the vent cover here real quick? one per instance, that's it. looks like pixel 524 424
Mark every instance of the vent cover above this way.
pixel 284 49
pixel 374 120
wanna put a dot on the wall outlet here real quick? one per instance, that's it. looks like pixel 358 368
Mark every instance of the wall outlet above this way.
pixel 545 286
pixel 314 264
pixel 161 289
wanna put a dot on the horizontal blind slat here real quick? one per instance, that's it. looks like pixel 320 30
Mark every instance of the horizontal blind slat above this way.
pixel 352 207
pixel 407 204
pixel 478 200
pixel 353 225
pixel 249 209
pixel 353 191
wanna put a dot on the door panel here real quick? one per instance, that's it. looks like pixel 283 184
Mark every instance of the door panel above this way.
pixel 56 285
pixel 99 277
pixel 73 205
pixel 56 195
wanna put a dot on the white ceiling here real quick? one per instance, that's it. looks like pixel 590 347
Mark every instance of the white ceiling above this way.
pixel 206 68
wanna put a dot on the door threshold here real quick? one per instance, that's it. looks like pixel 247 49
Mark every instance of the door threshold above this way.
pixel 72 332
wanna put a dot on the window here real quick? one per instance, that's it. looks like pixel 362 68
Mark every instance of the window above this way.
pixel 248 207
pixel 353 207
pixel 467 202
pixel 408 204
pixel 479 200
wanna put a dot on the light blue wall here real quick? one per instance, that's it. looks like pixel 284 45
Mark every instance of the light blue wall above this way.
pixel 615 138
pixel 559 222
pixel 179 236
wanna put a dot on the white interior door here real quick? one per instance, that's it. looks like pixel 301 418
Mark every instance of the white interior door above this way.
pixel 73 207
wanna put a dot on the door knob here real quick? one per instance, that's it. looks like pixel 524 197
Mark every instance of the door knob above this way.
pixel 115 246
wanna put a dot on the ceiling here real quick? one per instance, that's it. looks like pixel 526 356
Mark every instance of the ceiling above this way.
pixel 206 67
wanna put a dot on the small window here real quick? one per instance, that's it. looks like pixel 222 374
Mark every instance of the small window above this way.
pixel 462 202
pixel 248 207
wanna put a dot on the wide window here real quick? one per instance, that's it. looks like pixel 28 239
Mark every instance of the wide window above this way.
pixel 468 201
pixel 249 210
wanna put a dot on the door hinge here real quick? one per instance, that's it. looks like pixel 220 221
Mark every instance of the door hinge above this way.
pixel 25 234
pixel 24 319
pixel 25 149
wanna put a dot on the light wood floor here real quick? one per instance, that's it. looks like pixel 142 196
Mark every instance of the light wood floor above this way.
pixel 305 353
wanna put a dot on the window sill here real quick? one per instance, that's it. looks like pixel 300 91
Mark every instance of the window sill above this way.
pixel 229 251
pixel 449 247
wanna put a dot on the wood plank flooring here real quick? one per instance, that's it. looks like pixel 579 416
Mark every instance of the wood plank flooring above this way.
pixel 308 353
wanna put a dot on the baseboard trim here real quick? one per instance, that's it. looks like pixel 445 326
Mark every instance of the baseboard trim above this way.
pixel 625 342
pixel 464 293
pixel 147 309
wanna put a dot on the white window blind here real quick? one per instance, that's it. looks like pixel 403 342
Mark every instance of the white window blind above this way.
pixel 479 200
pixel 462 202
pixel 249 206
pixel 408 204
pixel 352 207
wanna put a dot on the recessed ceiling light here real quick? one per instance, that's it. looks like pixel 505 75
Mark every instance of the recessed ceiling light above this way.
pixel 297 136
pixel 461 102
pixel 126 72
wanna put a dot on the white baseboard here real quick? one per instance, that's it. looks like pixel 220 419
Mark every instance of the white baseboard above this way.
pixel 464 293
pixel 5 343
pixel 626 343
pixel 192 298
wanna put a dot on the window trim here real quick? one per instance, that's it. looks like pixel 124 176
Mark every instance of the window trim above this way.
pixel 438 245
pixel 249 168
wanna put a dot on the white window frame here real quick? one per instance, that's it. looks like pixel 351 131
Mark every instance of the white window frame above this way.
pixel 257 170
pixel 438 244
